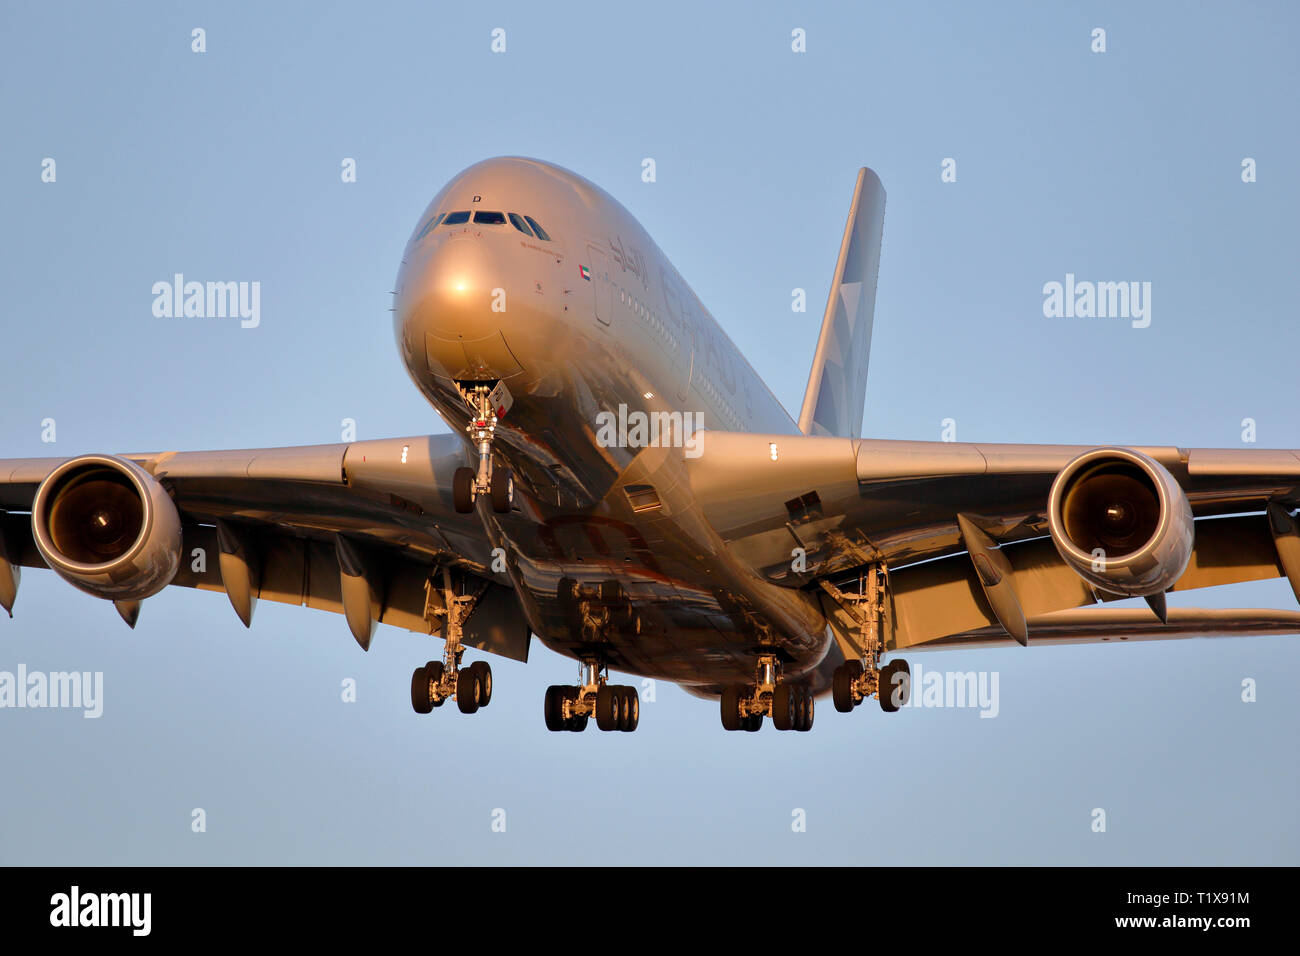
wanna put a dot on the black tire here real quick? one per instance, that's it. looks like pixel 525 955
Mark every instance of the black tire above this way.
pixel 421 701
pixel 501 489
pixel 484 671
pixel 807 706
pixel 905 685
pixel 885 692
pixel 467 690
pixel 731 719
pixel 631 709
pixel 842 689
pixel 607 708
pixel 462 490
pixel 753 723
pixel 554 708
pixel 784 709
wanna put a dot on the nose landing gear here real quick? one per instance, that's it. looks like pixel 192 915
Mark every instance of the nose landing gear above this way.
pixel 488 404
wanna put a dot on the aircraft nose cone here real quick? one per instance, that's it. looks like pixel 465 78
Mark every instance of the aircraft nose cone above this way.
pixel 454 291
pixel 457 314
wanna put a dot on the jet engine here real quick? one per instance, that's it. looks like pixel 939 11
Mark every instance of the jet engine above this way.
pixel 106 526
pixel 1122 521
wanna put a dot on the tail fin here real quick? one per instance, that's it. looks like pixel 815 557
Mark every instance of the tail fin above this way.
pixel 837 386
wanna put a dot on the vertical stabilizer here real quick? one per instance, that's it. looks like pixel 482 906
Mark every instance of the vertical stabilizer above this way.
pixel 837 386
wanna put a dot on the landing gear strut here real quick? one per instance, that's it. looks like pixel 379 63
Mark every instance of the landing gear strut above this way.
pixel 496 483
pixel 439 681
pixel 745 705
pixel 856 680
pixel 615 706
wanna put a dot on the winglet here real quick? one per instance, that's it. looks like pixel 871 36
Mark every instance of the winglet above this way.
pixel 837 384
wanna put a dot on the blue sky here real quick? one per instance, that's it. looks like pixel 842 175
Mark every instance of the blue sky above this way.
pixel 1115 166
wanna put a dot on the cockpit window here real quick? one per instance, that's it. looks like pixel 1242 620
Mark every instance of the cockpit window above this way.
pixel 429 226
pixel 517 221
pixel 490 218
pixel 456 218
pixel 541 233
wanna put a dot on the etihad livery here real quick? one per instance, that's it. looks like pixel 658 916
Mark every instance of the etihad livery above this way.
pixel 621 484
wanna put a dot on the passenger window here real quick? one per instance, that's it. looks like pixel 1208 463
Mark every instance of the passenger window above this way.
pixel 456 218
pixel 541 233
pixel 517 221
pixel 490 218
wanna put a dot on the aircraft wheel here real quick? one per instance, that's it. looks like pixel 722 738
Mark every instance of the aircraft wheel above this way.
pixel 421 699
pixel 484 671
pixel 631 709
pixel 555 708
pixel 462 490
pixel 608 707
pixel 806 707
pixel 784 707
pixel 731 694
pixel 885 692
pixel 842 688
pixel 467 690
pixel 502 489
pixel 752 723
pixel 895 686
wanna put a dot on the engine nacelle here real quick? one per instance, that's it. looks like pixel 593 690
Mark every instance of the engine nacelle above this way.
pixel 106 526
pixel 1122 521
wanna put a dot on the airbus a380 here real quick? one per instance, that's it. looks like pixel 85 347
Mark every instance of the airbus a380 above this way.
pixel 620 483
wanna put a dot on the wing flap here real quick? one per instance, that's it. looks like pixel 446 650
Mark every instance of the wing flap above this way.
pixel 1098 625
pixel 305 572
pixel 933 600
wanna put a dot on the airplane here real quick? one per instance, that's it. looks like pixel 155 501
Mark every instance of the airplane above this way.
pixel 620 483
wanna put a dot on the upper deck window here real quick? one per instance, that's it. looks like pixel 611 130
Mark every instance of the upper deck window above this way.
pixel 456 218
pixel 490 218
pixel 541 233
pixel 517 221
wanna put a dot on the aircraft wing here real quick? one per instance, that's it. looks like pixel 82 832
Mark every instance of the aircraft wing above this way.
pixel 287 524
pixel 803 510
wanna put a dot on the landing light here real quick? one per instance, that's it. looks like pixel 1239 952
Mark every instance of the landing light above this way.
pixel 648 395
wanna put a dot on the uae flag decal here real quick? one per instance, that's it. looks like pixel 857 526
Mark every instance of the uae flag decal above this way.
pixel 586 273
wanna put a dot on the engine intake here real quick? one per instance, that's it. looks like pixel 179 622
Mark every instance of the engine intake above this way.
pixel 106 526
pixel 1122 521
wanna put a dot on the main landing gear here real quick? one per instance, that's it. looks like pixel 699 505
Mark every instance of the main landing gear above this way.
pixel 615 706
pixel 856 680
pixel 853 682
pixel 439 681
pixel 496 483
pixel 789 705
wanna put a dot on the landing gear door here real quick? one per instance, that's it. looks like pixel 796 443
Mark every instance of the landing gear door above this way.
pixel 597 273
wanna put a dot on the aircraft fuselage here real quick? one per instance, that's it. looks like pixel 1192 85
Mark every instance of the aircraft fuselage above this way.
pixel 612 363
